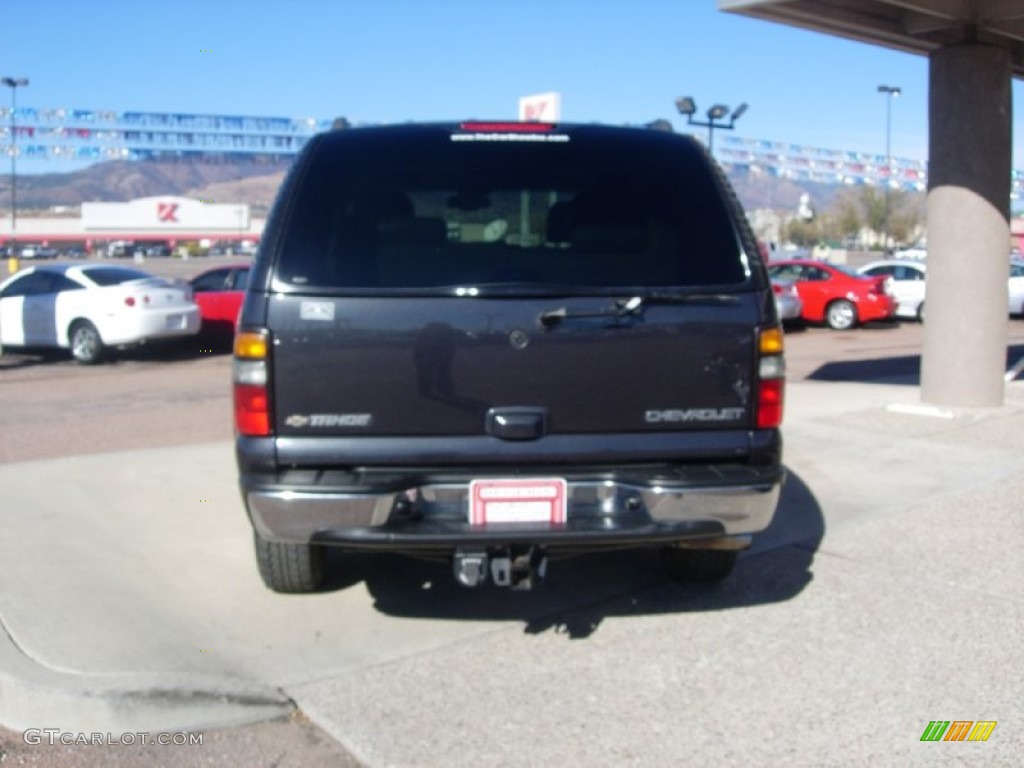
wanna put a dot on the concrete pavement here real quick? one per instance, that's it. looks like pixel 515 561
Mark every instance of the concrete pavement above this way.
pixel 887 594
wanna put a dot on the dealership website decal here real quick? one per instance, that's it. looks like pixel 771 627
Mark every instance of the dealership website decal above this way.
pixel 958 730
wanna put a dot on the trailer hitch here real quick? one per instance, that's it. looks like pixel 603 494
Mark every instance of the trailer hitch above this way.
pixel 516 567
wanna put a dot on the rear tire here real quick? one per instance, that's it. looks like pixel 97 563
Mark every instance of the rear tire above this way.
pixel 86 344
pixel 700 565
pixel 290 568
pixel 841 315
pixel 920 312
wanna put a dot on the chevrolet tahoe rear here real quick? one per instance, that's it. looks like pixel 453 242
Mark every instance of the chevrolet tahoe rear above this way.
pixel 488 342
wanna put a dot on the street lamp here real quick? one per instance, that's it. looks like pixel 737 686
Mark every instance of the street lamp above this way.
pixel 14 83
pixel 890 91
pixel 715 115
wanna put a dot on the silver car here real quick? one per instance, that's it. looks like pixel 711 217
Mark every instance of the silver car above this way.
pixel 787 300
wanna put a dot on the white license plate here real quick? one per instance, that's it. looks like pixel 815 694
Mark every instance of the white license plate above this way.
pixel 175 322
pixel 518 500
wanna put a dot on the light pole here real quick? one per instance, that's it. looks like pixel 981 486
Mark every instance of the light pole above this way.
pixel 14 83
pixel 687 107
pixel 890 91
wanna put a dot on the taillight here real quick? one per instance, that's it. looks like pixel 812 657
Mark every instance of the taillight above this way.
pixel 129 301
pixel 771 378
pixel 251 393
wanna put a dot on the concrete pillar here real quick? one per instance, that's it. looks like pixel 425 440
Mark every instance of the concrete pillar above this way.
pixel 965 334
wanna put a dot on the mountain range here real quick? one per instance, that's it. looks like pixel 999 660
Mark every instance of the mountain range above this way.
pixel 257 183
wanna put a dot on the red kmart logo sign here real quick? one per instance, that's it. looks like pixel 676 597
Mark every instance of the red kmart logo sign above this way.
pixel 167 212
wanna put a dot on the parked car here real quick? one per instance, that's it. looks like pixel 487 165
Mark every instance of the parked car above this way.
pixel 834 295
pixel 907 284
pixel 787 299
pixel 911 253
pixel 490 341
pixel 38 252
pixel 89 308
pixel 1016 288
pixel 219 292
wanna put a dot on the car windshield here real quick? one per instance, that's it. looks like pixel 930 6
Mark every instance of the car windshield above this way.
pixel 374 212
pixel 104 276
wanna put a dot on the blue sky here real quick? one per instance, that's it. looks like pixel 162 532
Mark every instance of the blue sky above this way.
pixel 614 61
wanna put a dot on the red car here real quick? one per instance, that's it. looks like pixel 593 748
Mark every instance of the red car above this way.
pixel 219 292
pixel 834 295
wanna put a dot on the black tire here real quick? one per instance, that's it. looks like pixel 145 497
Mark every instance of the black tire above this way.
pixel 920 312
pixel 290 568
pixel 841 315
pixel 86 345
pixel 700 565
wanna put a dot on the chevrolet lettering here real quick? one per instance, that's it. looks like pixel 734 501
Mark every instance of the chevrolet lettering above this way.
pixel 695 414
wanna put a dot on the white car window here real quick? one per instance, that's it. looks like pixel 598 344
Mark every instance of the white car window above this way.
pixel 908 273
pixel 114 275
pixel 32 284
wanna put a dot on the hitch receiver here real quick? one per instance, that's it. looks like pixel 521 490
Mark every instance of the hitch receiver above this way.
pixel 514 567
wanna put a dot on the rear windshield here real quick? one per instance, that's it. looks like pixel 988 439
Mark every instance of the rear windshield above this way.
pixel 115 275
pixel 428 210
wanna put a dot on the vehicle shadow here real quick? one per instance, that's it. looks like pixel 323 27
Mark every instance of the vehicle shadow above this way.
pixel 188 348
pixel 581 592
pixel 30 358
pixel 903 369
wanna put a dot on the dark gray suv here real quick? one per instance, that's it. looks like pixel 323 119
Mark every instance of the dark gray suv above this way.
pixel 488 342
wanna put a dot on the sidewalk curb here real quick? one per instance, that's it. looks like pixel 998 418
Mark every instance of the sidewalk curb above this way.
pixel 35 696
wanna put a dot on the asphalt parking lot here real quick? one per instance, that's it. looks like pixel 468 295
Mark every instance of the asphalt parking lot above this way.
pixel 864 613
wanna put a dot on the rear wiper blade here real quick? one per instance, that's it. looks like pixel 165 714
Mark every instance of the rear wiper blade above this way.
pixel 635 305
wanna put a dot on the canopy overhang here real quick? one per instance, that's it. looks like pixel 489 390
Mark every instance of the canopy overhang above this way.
pixel 916 26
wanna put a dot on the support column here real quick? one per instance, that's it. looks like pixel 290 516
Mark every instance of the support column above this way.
pixel 965 334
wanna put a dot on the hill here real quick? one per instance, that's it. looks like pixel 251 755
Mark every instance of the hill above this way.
pixel 257 183
pixel 119 181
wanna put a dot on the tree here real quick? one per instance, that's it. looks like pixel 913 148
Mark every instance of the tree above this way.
pixel 848 214
pixel 872 203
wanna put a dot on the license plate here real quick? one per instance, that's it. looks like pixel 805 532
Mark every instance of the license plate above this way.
pixel 175 322
pixel 518 500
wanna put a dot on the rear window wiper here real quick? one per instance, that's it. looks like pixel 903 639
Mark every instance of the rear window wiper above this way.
pixel 634 305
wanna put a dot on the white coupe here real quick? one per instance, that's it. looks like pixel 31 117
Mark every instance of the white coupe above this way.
pixel 908 282
pixel 87 308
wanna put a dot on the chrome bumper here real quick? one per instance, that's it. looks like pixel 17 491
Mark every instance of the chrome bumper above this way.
pixel 436 516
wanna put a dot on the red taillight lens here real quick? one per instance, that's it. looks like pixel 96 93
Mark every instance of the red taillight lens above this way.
pixel 769 403
pixel 252 410
pixel 129 301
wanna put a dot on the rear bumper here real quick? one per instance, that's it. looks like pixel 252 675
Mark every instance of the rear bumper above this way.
pixel 129 328
pixel 685 508
pixel 876 307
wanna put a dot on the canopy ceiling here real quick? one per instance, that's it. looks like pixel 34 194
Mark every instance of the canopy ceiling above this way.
pixel 917 26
